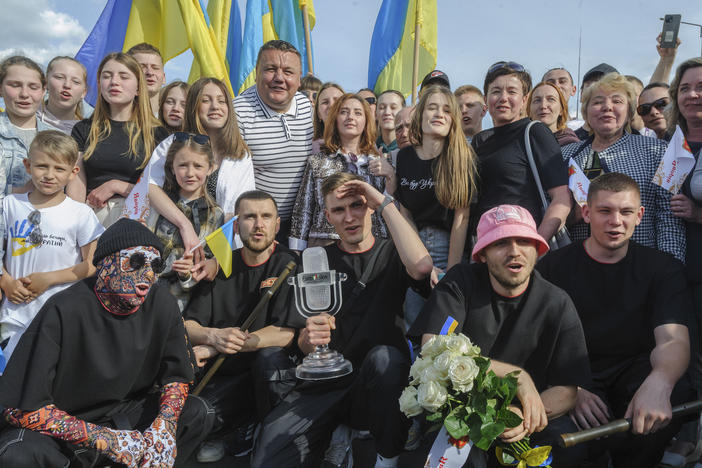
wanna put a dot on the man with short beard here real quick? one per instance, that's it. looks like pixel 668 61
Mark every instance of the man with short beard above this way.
pixel 520 321
pixel 244 389
pixel 634 306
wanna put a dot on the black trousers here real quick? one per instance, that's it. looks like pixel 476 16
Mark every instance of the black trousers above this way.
pixel 298 430
pixel 264 379
pixel 617 387
pixel 22 448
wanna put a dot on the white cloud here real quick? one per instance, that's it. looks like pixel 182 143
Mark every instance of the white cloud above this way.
pixel 33 28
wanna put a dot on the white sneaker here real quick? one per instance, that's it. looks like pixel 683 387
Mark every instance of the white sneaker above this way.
pixel 211 451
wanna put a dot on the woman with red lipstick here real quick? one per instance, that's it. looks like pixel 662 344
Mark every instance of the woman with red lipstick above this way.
pixel 172 105
pixel 349 146
pixel 22 85
pixel 547 105
pixel 436 181
pixel 66 87
pixel 117 141
pixel 608 106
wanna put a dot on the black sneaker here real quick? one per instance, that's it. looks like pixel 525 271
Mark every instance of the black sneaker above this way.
pixel 242 443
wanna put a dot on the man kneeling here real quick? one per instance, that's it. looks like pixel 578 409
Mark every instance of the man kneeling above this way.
pixel 633 303
pixel 520 321
pixel 79 388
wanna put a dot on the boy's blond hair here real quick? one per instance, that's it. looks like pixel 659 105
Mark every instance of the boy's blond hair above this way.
pixel 57 145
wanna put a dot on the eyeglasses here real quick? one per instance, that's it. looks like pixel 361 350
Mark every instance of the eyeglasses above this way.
pixel 514 66
pixel 660 104
pixel 35 237
pixel 196 137
pixel 370 100
pixel 137 260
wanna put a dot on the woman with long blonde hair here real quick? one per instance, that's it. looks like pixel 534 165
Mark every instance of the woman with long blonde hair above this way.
pixel 117 140
pixel 436 183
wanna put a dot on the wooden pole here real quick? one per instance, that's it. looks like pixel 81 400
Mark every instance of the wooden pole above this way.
pixel 415 67
pixel 308 41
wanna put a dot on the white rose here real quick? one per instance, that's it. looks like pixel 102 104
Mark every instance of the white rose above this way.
pixel 461 344
pixel 431 396
pixel 462 372
pixel 418 367
pixel 442 363
pixel 432 374
pixel 435 346
pixel 408 402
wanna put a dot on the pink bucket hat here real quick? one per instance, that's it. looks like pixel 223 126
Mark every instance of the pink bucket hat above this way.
pixel 507 221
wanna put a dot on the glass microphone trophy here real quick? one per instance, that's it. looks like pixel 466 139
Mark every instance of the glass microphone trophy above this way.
pixel 317 291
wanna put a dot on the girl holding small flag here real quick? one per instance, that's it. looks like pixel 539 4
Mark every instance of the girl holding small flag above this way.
pixel 189 162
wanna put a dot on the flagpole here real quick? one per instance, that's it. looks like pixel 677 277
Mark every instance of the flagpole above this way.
pixel 415 67
pixel 308 41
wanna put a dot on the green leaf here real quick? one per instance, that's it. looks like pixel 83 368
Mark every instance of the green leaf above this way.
pixel 474 423
pixel 455 425
pixel 435 416
pixel 488 433
pixel 509 418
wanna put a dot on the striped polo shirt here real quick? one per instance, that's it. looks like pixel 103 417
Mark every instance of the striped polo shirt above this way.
pixel 279 144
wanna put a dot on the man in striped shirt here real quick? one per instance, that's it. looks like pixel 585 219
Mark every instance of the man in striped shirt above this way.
pixel 275 120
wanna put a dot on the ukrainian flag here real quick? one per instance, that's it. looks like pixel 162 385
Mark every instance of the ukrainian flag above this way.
pixel 265 21
pixel 221 244
pixel 391 59
pixel 449 326
pixel 172 26
pixel 224 19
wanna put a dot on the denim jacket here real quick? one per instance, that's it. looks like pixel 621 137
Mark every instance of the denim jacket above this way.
pixel 13 151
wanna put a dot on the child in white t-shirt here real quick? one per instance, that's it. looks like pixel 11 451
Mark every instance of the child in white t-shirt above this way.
pixel 50 238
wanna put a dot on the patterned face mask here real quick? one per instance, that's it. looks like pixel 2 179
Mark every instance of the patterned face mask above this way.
pixel 124 278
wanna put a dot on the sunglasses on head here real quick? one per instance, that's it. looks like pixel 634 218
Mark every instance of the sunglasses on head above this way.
pixel 137 261
pixel 370 100
pixel 35 237
pixel 196 137
pixel 660 104
pixel 514 66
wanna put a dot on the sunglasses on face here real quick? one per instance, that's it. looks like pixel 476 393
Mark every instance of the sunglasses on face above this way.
pixel 514 66
pixel 660 104
pixel 137 260
pixel 35 237
pixel 370 100
pixel 196 137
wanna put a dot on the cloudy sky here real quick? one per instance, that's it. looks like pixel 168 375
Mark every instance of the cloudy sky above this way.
pixel 473 34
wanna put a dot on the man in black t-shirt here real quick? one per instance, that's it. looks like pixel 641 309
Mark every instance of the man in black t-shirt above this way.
pixel 365 330
pixel 633 303
pixel 259 369
pixel 520 321
pixel 102 374
pixel 505 174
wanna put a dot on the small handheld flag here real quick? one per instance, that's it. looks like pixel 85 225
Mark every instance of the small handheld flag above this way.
pixel 578 183
pixel 676 164
pixel 221 244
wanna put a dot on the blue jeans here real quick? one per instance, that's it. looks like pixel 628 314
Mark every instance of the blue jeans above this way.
pixel 436 241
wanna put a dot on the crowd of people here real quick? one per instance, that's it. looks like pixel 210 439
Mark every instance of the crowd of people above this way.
pixel 107 323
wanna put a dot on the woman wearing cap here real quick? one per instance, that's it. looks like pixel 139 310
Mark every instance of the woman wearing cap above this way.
pixel 608 105
pixel 505 174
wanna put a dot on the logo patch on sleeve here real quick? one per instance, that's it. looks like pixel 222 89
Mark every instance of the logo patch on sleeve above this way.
pixel 267 283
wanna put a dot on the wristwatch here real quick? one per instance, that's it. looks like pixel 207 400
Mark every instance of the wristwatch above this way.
pixel 388 199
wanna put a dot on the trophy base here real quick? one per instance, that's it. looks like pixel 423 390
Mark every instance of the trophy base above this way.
pixel 323 364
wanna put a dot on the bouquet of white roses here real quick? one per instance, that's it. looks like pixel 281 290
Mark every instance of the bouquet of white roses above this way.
pixel 452 383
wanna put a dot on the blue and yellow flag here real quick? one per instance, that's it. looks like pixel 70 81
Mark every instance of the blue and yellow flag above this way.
pixel 265 21
pixel 223 18
pixel 171 26
pixel 221 243
pixel 449 326
pixel 391 59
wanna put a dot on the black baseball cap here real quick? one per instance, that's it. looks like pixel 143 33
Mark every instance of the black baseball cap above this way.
pixel 436 77
pixel 598 71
